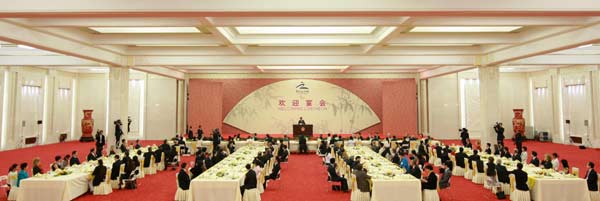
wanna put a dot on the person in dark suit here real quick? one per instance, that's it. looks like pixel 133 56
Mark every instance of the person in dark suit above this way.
pixel 249 179
pixel 118 131
pixel 519 140
pixel 100 142
pixel 474 158
pixel 123 146
pixel 92 155
pixel 446 174
pixel 534 160
pixel 99 173
pixel 429 179
pixel 333 176
pixel 422 151
pixel 190 133
pixel 502 172
pixel 148 157
pixel 301 122
pixel 116 168
pixel 591 177
pixel 303 148
pixel 464 136
pixel 183 178
pixel 460 158
pixel 520 178
pixel 200 132
pixel 216 138
pixel 499 133
pixel 362 179
pixel 415 170
pixel 74 159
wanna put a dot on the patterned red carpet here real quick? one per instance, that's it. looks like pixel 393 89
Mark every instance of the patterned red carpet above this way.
pixel 302 178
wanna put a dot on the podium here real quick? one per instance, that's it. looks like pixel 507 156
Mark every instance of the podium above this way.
pixel 306 130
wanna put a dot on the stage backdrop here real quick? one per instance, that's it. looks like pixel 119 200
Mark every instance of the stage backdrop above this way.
pixel 275 107
pixel 393 101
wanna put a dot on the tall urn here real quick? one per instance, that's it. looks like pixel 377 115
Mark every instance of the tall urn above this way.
pixel 518 122
pixel 87 126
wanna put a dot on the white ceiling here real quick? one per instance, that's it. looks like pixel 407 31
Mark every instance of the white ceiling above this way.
pixel 301 44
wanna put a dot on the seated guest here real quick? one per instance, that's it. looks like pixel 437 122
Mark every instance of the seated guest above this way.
pixel 22 174
pixel 116 168
pixel 12 176
pixel 196 170
pixel 183 179
pixel 592 182
pixel 428 179
pixel 491 173
pixel 275 172
pixel 497 149
pixel 446 171
pixel 92 155
pixel 323 148
pixel 547 163
pixel 555 161
pixel 57 163
pixel 524 155
pixel 505 153
pixel 231 145
pixel 123 146
pixel 534 160
pixel 112 150
pixel 520 178
pixel 74 159
pixel 65 162
pixel 99 173
pixel 136 162
pixel 415 170
pixel 333 176
pixel 488 149
pixel 474 159
pixel 129 168
pixel 502 172
pixel 460 158
pixel 517 155
pixel 404 161
pixel 565 165
pixel 137 144
pixel 362 180
pixel 249 180
pixel 36 167
pixel 148 157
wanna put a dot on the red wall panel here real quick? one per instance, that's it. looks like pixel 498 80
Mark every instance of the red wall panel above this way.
pixel 205 105
pixel 399 102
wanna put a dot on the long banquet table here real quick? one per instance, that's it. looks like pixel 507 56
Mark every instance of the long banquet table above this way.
pixel 390 183
pixel 543 184
pixel 54 187
pixel 222 181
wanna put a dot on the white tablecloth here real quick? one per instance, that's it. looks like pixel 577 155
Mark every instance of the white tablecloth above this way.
pixel 391 190
pixel 61 188
pixel 560 190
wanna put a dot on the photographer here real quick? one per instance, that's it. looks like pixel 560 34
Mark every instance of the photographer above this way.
pixel 500 133
pixel 118 131
pixel 464 136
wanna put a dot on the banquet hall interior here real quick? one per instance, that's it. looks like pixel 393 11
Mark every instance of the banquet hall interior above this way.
pixel 337 100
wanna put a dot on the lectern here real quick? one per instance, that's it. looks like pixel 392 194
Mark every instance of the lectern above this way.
pixel 306 130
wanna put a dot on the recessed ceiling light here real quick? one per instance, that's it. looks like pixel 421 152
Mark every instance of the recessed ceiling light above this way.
pixel 99 69
pixel 431 44
pixel 26 47
pixel 302 67
pixel 307 30
pixel 461 29
pixel 146 29
pixel 179 45
pixel 584 46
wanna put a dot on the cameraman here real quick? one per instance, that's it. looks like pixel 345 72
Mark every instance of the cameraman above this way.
pixel 500 133
pixel 464 136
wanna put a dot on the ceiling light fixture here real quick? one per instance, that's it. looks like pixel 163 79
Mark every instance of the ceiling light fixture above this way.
pixel 302 67
pixel 586 45
pixel 146 29
pixel 464 29
pixel 179 45
pixel 307 30
pixel 432 44
pixel 26 47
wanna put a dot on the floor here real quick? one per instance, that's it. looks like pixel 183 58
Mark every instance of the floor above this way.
pixel 302 178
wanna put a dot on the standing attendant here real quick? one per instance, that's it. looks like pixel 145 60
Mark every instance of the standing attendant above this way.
pixel 464 136
pixel 592 182
pixel 100 142
pixel 500 133
pixel 200 133
pixel 216 137
pixel 118 131
pixel 190 133
pixel 519 140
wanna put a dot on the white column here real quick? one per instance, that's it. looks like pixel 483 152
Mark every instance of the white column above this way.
pixel 182 96
pixel 423 106
pixel 49 94
pixel 489 88
pixel 118 93
pixel 558 131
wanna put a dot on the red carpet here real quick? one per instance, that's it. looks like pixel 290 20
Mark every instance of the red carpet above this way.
pixel 302 178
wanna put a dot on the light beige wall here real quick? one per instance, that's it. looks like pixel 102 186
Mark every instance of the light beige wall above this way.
pixel 444 116
pixel 161 108
pixel 514 94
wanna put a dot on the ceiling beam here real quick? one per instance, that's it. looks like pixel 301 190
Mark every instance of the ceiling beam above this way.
pixel 443 71
pixel 155 39
pixel 435 50
pixel 302 60
pixel 19 34
pixel 455 38
pixel 559 60
pixel 58 60
pixel 561 41
pixel 180 51
pixel 114 22
pixel 181 8
pixel 224 36
pixel 164 71
pixel 499 21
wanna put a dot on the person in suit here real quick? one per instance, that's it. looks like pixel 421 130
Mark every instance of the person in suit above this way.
pixel 190 133
pixel 200 132
pixel 57 163
pixel 460 158
pixel 362 179
pixel 415 170
pixel 249 179
pixel 499 133
pixel 446 174
pixel 464 136
pixel 520 178
pixel 422 151
pixel 333 176
pixel 474 158
pixel 123 147
pixel 502 172
pixel 99 173
pixel 303 148
pixel 428 179
pixel 116 168
pixel 148 157
pixel 36 167
pixel 216 137
pixel 301 122
pixel 519 140
pixel 74 159
pixel 534 160
pixel 197 170
pixel 118 131
pixel 183 178
pixel 488 149
pixel 137 144
pixel 491 172
pixel 100 142
pixel 591 177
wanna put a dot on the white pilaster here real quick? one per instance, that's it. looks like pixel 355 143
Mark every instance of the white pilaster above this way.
pixel 118 93
pixel 48 121
pixel 558 136
pixel 489 88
